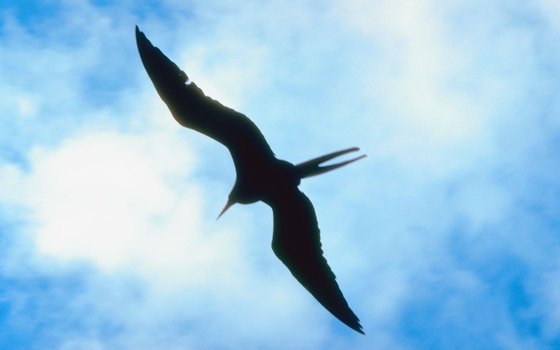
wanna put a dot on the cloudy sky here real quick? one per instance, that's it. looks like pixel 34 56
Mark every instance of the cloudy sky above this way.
pixel 446 237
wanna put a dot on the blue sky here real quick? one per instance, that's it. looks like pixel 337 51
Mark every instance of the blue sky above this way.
pixel 445 237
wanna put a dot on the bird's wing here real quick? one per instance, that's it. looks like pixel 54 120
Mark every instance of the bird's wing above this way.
pixel 192 109
pixel 296 242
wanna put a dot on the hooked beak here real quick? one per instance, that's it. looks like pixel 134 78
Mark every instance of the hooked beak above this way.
pixel 229 203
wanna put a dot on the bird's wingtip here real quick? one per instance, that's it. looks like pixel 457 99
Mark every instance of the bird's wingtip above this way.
pixel 142 41
pixel 354 324
pixel 360 329
pixel 138 31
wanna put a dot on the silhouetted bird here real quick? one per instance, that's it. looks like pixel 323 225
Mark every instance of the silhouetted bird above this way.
pixel 260 176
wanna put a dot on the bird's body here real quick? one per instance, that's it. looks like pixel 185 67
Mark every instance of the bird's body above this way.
pixel 260 177
pixel 256 166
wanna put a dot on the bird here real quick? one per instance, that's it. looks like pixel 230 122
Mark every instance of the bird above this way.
pixel 260 176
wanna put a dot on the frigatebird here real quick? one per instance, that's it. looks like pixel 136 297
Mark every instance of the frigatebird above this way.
pixel 260 177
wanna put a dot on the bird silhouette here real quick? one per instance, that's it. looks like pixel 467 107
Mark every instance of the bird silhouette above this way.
pixel 260 177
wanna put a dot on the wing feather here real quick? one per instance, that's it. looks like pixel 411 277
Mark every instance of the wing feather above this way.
pixel 193 109
pixel 296 242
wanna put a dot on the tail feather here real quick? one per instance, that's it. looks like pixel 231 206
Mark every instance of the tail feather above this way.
pixel 312 167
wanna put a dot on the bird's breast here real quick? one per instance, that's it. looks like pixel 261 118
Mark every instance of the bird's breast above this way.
pixel 261 181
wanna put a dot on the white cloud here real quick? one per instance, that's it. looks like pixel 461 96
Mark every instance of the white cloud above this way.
pixel 95 195
pixel 423 87
pixel 123 202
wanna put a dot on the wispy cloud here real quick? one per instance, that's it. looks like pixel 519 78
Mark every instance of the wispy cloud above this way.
pixel 445 237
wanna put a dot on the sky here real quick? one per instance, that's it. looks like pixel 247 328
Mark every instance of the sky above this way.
pixel 447 236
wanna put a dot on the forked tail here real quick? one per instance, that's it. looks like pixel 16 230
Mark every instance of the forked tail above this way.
pixel 312 167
